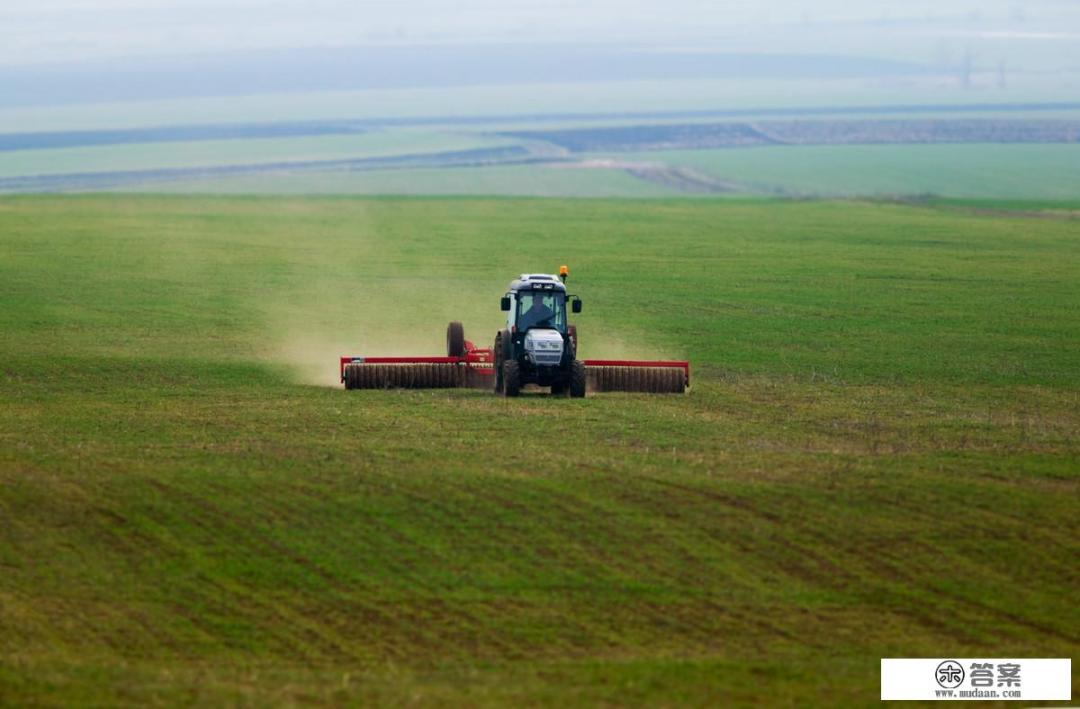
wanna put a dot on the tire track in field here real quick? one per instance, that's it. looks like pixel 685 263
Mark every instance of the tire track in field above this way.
pixel 869 559
pixel 583 523
pixel 675 544
pixel 835 576
pixel 567 550
pixel 516 544
pixel 409 618
pixel 299 629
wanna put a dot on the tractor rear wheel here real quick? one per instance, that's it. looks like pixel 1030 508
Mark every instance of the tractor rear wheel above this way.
pixel 455 339
pixel 577 379
pixel 511 378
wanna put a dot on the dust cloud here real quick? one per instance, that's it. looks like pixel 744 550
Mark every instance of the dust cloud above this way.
pixel 609 346
pixel 314 357
pixel 395 321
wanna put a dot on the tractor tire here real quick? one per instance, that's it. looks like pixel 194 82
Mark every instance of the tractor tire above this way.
pixel 501 348
pixel 455 339
pixel 577 379
pixel 496 350
pixel 511 378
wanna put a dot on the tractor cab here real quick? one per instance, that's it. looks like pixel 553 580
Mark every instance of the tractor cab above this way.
pixel 537 309
pixel 538 301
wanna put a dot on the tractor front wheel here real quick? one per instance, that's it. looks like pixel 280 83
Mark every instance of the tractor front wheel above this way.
pixel 511 378
pixel 577 379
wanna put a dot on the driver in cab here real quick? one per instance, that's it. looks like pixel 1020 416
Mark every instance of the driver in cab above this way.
pixel 537 314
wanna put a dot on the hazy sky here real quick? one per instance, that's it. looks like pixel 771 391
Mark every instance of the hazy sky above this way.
pixel 33 31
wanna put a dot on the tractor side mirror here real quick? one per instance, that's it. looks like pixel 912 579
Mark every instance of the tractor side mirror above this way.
pixel 505 304
pixel 575 306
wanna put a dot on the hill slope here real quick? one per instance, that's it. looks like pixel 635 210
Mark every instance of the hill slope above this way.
pixel 878 456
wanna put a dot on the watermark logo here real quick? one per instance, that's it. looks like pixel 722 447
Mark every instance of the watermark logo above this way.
pixel 950 674
pixel 967 679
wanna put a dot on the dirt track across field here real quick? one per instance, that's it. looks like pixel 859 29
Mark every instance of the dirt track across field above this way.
pixel 683 179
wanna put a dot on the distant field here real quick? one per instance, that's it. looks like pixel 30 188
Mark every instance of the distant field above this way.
pixel 206 153
pixel 878 455
pixel 531 180
pixel 974 171
pixel 823 153
pixel 1032 172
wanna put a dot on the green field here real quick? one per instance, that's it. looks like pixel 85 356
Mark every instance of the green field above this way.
pixel 1033 172
pixel 879 455
pixel 488 116
pixel 1049 172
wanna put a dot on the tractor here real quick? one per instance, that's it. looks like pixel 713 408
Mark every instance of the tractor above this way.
pixel 538 345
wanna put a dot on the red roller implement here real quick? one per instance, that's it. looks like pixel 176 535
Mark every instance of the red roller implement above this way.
pixel 477 360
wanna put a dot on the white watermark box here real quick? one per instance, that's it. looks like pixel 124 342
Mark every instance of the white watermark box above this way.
pixel 971 679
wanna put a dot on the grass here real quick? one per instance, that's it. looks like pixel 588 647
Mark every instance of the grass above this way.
pixel 1034 172
pixel 878 456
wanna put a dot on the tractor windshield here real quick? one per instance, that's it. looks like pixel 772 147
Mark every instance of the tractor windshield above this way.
pixel 541 309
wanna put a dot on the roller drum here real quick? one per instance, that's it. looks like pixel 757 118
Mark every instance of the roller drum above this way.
pixel 654 380
pixel 363 375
